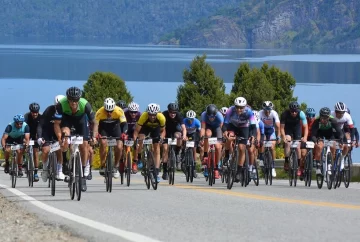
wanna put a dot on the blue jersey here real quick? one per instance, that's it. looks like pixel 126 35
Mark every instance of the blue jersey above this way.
pixel 219 119
pixel 193 126
pixel 261 126
pixel 13 132
pixel 242 120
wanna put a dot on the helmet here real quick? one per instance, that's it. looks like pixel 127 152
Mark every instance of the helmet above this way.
pixel 173 107
pixel 348 110
pixel 325 112
pixel 240 101
pixel 109 104
pixel 267 105
pixel 153 108
pixel 19 118
pixel 340 107
pixel 58 98
pixel 211 109
pixel 133 107
pixel 223 110
pixel 73 93
pixel 34 107
pixel 310 112
pixel 294 105
pixel 121 104
pixel 256 115
pixel 190 114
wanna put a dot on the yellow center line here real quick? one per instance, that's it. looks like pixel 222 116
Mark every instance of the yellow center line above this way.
pixel 258 197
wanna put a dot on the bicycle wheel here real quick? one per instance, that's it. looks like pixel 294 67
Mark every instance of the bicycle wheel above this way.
pixel 309 167
pixel 128 169
pixel 14 172
pixel 72 177
pixel 256 179
pixel 210 166
pixel 152 171
pixel 293 169
pixel 109 170
pixel 192 165
pixel 232 169
pixel 171 167
pixel 246 167
pixel 336 172
pixel 266 166
pixel 30 170
pixel 53 165
pixel 346 171
pixel 78 177
pixel 187 164
pixel 329 173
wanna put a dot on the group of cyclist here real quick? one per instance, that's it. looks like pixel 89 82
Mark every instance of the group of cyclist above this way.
pixel 122 122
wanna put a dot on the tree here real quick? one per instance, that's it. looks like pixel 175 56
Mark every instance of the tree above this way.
pixel 101 85
pixel 201 87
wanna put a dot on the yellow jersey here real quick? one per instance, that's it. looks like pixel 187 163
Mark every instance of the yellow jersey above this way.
pixel 159 121
pixel 116 115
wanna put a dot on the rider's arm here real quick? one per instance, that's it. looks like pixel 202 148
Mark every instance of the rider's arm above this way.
pixel 304 123
pixel 314 130
pixel 90 114
pixel 27 134
pixel 253 129
pixel 5 135
pixel 136 131
pixel 338 131
pixel 282 124
pixel 203 124
pixel 57 120
pixel 40 125
pixel 356 135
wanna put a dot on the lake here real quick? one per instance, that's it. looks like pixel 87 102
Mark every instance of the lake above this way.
pixel 38 72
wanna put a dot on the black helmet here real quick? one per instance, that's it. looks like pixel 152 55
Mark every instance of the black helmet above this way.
pixel 325 112
pixel 34 107
pixel 173 107
pixel 73 93
pixel 211 109
pixel 121 104
pixel 294 105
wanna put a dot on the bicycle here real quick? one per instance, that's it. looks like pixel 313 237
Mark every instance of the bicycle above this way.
pixel 148 171
pixel 14 166
pixel 293 159
pixel 52 164
pixel 308 163
pixel 268 158
pixel 127 157
pixel 111 142
pixel 189 160
pixel 30 164
pixel 338 171
pixel 210 165
pixel 346 172
pixel 327 160
pixel 75 166
pixel 172 143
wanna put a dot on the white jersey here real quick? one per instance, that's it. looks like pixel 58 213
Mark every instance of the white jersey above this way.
pixel 346 119
pixel 269 121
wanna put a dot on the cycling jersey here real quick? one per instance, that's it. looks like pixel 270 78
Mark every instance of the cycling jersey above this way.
pixel 45 128
pixel 173 125
pixel 260 125
pixel 269 123
pixel 117 115
pixel 345 119
pixel 218 120
pixel 131 121
pixel 84 108
pixel 242 120
pixel 292 124
pixel 33 123
pixel 310 122
pixel 13 132
pixel 328 130
pixel 145 122
pixel 192 127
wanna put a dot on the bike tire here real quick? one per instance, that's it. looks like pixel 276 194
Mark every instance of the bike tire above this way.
pixel 78 177
pixel 213 164
pixel 192 164
pixel 246 167
pixel 256 180
pixel 128 170
pixel 72 178
pixel 266 167
pixel 53 165
pixel 188 166
pixel 14 172
pixel 30 170
pixel 109 170
pixel 171 168
pixel 329 177
pixel 346 172
pixel 151 160
pixel 309 168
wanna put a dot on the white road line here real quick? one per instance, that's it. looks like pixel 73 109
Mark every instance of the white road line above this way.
pixel 81 220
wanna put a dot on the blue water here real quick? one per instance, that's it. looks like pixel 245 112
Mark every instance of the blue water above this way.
pixel 37 73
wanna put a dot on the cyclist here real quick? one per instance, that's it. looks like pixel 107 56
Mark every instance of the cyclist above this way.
pixel 45 133
pixel 211 125
pixel 15 132
pixel 326 127
pixel 151 122
pixel 240 121
pixel 174 128
pixel 223 111
pixel 122 104
pixel 342 117
pixel 110 121
pixel 260 133
pixel 71 111
pixel 132 116
pixel 32 119
pixel 347 130
pixel 193 126
pixel 271 121
pixel 290 127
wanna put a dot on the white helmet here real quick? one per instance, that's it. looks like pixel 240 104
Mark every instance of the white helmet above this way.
pixel 256 115
pixel 109 104
pixel 153 108
pixel 133 107
pixel 58 98
pixel 340 107
pixel 223 110
pixel 240 101
pixel 190 114
pixel 268 105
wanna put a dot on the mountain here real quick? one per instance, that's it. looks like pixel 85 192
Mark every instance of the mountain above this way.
pixel 129 21
pixel 276 23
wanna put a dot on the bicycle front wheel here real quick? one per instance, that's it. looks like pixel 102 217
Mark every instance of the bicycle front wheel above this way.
pixel 78 177
pixel 128 170
pixel 346 171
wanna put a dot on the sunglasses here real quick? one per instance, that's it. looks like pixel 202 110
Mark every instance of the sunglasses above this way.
pixel 339 112
pixel 239 107
pixel 310 115
pixel 294 111
pixel 132 112
pixel 74 100
pixel 324 118
pixel 172 113
pixel 152 115
pixel 19 123
pixel 211 116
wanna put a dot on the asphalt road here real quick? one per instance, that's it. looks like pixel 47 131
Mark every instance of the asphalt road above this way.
pixel 195 212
